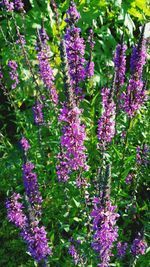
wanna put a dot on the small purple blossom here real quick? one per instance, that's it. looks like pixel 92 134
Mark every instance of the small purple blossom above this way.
pixel 38 113
pixel 13 73
pixel 19 5
pixel 121 249
pixel 21 40
pixel 90 65
pixel 74 254
pixel 106 231
pixel 120 64
pixel 106 124
pixel 129 178
pixel 138 246
pixel 8 5
pixel 15 211
pixel 142 155
pixel 31 187
pixel 37 242
pixel 24 144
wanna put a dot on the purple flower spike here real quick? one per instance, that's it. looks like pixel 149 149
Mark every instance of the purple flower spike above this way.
pixel 120 64
pixel 31 187
pixel 37 243
pixel 13 73
pixel 106 231
pixel 72 14
pixel 72 143
pixel 135 94
pixel 129 178
pixel 24 144
pixel 45 70
pixel 121 249
pixel 142 155
pixel 106 124
pixel 15 211
pixel 138 246
pixel 8 5
pixel 38 113
pixel 19 5
pixel 74 254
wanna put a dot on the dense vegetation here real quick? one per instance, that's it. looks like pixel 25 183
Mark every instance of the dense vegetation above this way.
pixel 75 138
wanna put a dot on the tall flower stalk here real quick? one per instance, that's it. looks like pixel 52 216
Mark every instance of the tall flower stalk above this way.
pixel 28 220
pixel 45 70
pixel 135 94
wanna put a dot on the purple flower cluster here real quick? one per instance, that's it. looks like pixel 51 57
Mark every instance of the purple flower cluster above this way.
pixel 45 70
pixel 38 114
pixel 75 49
pixel 19 5
pixel 8 5
pixel 138 59
pixel 31 187
pixel 134 97
pixel 73 157
pixel 24 144
pixel 74 254
pixel 13 73
pixel 33 234
pixel 120 64
pixel 106 231
pixel 72 14
pixel 142 155
pixel 37 242
pixel 135 94
pixel 106 124
pixel 15 211
pixel 121 249
pixel 138 246
pixel 129 178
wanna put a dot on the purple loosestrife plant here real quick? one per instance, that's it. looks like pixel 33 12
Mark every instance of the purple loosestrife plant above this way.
pixel 13 73
pixel 75 49
pixel 45 70
pixel 142 155
pixel 138 246
pixel 106 124
pixel 38 113
pixel 31 188
pixel 24 144
pixel 15 211
pixel 19 5
pixel 135 94
pixel 129 178
pixel 72 143
pixel 37 242
pixel 120 65
pixel 8 5
pixel 106 231
pixel 121 249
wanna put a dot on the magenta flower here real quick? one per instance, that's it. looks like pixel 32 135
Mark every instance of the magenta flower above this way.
pixel 138 246
pixel 37 242
pixel 106 231
pixel 72 143
pixel 38 113
pixel 106 124
pixel 13 73
pixel 24 144
pixel 120 64
pixel 45 70
pixel 15 211
pixel 142 155
pixel 121 249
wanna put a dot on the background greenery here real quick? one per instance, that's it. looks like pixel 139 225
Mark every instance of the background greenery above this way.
pixel 64 213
